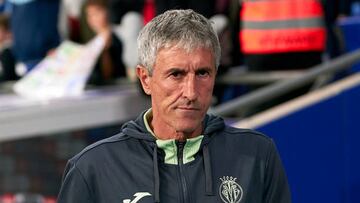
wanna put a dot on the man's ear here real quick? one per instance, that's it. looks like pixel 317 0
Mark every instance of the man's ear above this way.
pixel 144 77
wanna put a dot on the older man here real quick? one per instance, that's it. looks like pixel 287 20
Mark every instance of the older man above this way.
pixel 175 152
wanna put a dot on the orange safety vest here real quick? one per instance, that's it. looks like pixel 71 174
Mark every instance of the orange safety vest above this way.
pixel 278 26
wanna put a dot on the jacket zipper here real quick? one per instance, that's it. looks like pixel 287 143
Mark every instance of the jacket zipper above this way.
pixel 183 185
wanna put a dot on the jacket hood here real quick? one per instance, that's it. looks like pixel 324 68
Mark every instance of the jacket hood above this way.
pixel 137 129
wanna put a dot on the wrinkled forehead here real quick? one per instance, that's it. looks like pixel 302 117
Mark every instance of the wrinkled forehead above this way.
pixel 179 57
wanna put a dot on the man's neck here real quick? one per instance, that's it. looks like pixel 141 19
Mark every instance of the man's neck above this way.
pixel 164 132
pixel 181 136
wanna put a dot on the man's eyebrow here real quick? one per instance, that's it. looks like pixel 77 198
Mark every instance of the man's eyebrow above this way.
pixel 175 69
pixel 181 70
pixel 206 68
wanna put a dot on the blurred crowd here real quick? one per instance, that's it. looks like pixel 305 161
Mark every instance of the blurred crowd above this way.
pixel 260 34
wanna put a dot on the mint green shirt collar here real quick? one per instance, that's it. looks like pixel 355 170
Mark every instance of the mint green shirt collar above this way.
pixel 191 147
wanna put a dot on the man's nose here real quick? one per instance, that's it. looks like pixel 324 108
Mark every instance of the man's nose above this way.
pixel 190 90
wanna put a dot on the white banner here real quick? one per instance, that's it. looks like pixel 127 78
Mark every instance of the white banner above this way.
pixel 63 73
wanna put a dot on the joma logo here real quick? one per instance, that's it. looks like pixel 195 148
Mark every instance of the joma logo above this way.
pixel 137 196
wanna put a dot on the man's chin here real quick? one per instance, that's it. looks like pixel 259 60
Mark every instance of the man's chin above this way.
pixel 189 123
pixel 190 129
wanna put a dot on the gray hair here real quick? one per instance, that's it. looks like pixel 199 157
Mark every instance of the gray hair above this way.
pixel 181 28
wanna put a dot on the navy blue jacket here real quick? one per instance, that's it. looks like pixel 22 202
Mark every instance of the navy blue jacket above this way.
pixel 224 164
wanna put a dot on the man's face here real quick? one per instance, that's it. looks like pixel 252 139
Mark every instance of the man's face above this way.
pixel 181 88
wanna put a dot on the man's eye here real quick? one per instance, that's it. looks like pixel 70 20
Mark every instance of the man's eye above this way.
pixel 175 74
pixel 203 73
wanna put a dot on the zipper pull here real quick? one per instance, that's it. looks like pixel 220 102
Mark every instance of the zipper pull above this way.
pixel 180 150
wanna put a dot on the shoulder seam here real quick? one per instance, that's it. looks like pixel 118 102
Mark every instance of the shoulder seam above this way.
pixel 95 145
pixel 249 131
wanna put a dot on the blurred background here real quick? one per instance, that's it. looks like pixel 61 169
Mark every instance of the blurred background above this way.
pixel 289 68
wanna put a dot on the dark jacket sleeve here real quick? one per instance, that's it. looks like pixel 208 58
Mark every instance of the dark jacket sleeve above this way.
pixel 74 188
pixel 276 184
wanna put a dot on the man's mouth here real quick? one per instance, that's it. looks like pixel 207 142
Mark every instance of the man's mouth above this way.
pixel 186 108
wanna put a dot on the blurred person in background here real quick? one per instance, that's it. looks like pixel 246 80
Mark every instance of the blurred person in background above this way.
pixel 282 35
pixel 7 60
pixel 176 152
pixel 35 29
pixel 109 65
